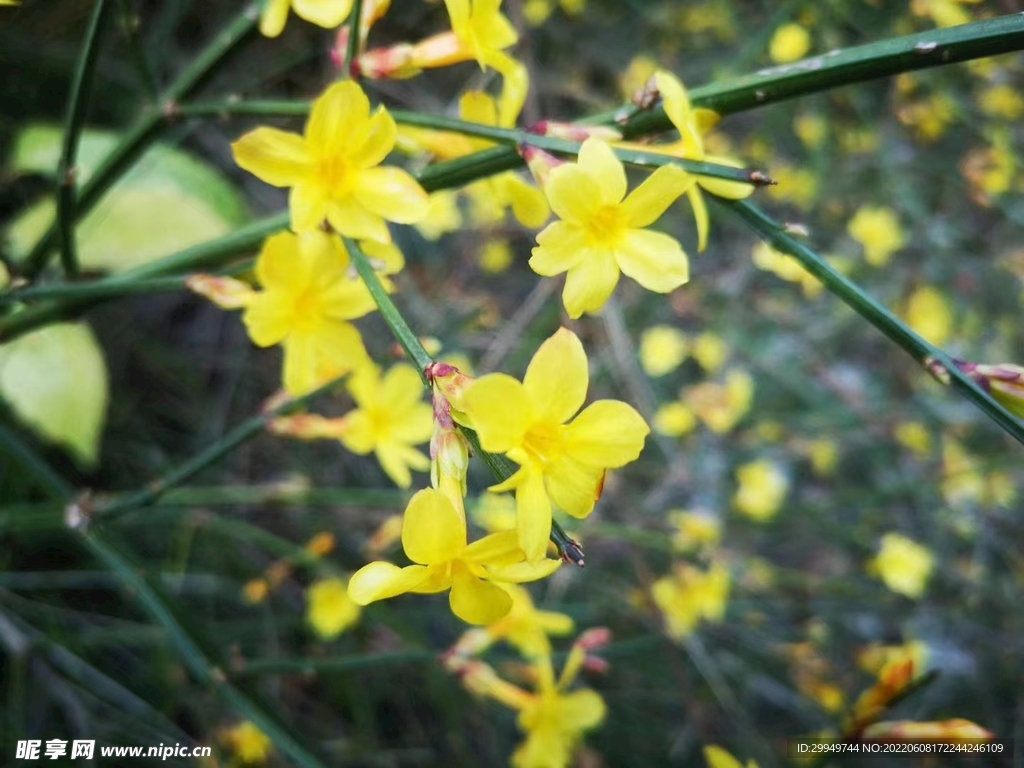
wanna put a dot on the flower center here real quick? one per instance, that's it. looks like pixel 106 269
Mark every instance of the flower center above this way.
pixel 334 173
pixel 543 442
pixel 606 227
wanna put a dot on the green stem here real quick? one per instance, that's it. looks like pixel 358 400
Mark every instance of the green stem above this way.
pixel 145 131
pixel 81 85
pixel 401 330
pixel 334 664
pixel 129 27
pixel 352 49
pixel 190 652
pixel 208 255
pixel 48 478
pixel 241 433
pixel 922 351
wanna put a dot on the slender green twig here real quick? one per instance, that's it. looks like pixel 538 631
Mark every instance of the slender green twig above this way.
pixel 244 431
pixel 922 351
pixel 81 85
pixel 48 478
pixel 354 30
pixel 334 664
pixel 145 130
pixel 129 23
pixel 568 549
pixel 191 654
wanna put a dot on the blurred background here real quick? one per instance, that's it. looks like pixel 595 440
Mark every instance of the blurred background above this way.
pixel 858 507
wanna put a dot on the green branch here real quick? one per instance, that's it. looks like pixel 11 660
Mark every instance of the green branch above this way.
pixel 192 655
pixel 145 131
pixel 209 455
pixel 334 664
pixel 46 476
pixel 81 86
pixel 922 351
pixel 352 49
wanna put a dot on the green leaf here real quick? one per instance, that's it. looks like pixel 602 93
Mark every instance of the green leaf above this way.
pixel 167 202
pixel 55 381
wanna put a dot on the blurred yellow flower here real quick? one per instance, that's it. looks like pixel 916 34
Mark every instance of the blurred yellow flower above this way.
pixel 824 455
pixel 674 419
pixel 789 43
pixel 387 535
pixel 333 169
pixel 721 406
pixel 328 14
pixel 602 233
pixel 796 185
pixel 879 231
pixel 875 658
pixel 991 170
pixel 710 350
pixel 716 757
pixel 255 591
pixel 930 116
pixel 524 627
pixel 786 267
pixel 689 595
pixel 496 256
pixel 640 70
pixel 763 486
pixel 811 128
pixel 442 216
pixel 662 349
pixel 929 313
pixel 903 564
pixel 329 609
pixel 321 544
pixel 249 743
pixel 1002 100
pixel 915 436
pixel 945 13
pixel 494 512
pixel 537 12
pixel 694 530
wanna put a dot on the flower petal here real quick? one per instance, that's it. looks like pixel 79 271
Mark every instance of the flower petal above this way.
pixel 579 710
pixel 268 319
pixel 495 548
pixel 307 203
pixel 573 193
pixel 590 283
pixel 533 519
pixel 300 364
pixel 273 17
pixel 529 205
pixel 350 218
pixel 280 265
pixel 655 260
pixel 521 573
pixel 339 121
pixel 339 348
pixel 380 580
pixel 572 486
pixel 328 14
pixel 607 434
pixel 557 378
pixel 432 531
pixel 560 247
pixel 600 162
pixel 647 202
pixel 277 157
pixel 731 190
pixel 391 193
pixel 396 459
pixel 700 215
pixel 476 601
pixel 380 139
pixel 499 408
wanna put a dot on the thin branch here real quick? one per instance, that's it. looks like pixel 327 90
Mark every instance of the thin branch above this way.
pixel 48 478
pixel 352 50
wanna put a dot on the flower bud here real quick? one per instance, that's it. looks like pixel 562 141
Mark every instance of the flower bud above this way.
pixel 1004 381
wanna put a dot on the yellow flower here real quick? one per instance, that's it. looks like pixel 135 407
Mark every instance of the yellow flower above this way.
pixel 524 627
pixel 442 216
pixel 688 595
pixel 328 14
pixel 537 12
pixel 638 73
pixel 762 489
pixel 333 169
pixel 308 297
pixel 329 609
pixel 710 350
pixel 496 256
pixel 602 232
pixel 879 231
pixel 721 406
pixel 249 743
pixel 560 463
pixel 389 419
pixel 694 530
pixel 878 659
pixel 928 312
pixel 789 43
pixel 495 512
pixel 945 13
pixel 674 419
pixel 662 349
pixel 915 436
pixel 1002 101
pixel 812 128
pixel 692 124
pixel 903 564
pixel 786 267
pixel 824 455
pixel 434 538
pixel 929 117
pixel 717 757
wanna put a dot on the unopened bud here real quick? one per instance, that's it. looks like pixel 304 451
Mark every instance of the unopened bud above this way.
pixel 576 132
pixel 539 162
pixel 1004 381
pixel 225 292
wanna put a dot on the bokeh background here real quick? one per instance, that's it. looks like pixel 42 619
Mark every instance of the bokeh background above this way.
pixel 790 436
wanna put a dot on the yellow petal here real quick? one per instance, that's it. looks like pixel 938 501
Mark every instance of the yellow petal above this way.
pixel 273 18
pixel 600 162
pixel 478 107
pixel 392 193
pixel 514 88
pixel 700 215
pixel 328 14
pixel 397 459
pixel 476 601
pixel 655 260
pixel 432 531
pixel 339 348
pixel 350 218
pixel 524 572
pixel 339 121
pixel 277 157
pixel 458 12
pixel 717 757
pixel 557 378
pixel 380 139
pixel 308 204
pixel 608 433
pixel 401 388
pixel 580 710
pixel 533 521
pixel 573 193
pixel 300 364
pixel 647 202
pixel 677 106
pixel 590 283
pixel 267 319
pixel 500 410
pixel 497 547
pixel 572 486
pixel 529 205
pixel 731 190
pixel 280 266
pixel 560 247
pixel 380 580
